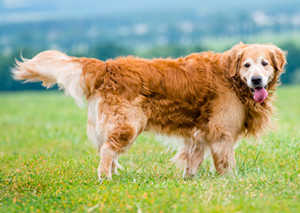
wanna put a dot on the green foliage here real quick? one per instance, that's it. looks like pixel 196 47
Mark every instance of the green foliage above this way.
pixel 173 51
pixel 48 165
pixel 108 51
pixel 293 65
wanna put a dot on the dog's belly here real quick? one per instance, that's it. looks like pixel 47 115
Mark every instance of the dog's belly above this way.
pixel 170 128
pixel 169 117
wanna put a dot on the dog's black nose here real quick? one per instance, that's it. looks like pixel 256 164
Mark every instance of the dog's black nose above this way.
pixel 256 80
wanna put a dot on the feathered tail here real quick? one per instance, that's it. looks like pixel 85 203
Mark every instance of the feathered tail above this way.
pixel 53 67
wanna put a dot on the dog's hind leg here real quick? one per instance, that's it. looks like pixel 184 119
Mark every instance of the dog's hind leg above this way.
pixel 107 155
pixel 121 129
pixel 116 166
pixel 117 141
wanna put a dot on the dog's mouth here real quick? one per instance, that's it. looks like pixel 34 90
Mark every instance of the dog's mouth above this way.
pixel 259 94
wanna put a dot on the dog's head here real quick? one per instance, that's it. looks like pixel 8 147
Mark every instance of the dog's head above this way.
pixel 257 66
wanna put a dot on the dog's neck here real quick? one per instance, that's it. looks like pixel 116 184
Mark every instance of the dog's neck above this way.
pixel 258 115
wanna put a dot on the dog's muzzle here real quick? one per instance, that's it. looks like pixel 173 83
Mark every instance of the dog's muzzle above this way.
pixel 258 88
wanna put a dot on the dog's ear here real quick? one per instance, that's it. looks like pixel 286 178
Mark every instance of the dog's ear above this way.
pixel 278 58
pixel 235 61
pixel 234 58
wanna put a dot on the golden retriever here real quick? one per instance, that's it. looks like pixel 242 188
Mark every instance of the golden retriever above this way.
pixel 210 100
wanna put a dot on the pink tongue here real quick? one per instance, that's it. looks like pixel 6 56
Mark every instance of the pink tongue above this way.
pixel 260 95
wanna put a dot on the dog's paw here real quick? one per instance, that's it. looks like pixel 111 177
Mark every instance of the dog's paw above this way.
pixel 188 174
pixel 102 178
pixel 104 174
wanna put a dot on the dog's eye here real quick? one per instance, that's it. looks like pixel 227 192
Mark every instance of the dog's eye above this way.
pixel 247 65
pixel 264 63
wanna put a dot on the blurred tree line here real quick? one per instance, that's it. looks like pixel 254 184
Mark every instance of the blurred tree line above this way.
pixel 109 50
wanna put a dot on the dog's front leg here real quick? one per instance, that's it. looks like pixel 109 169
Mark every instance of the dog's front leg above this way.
pixel 223 156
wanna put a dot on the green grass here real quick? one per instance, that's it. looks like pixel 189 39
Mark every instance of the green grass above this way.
pixel 48 165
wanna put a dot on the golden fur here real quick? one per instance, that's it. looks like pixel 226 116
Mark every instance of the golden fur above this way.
pixel 200 98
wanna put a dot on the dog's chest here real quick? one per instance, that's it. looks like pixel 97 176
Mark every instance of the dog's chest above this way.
pixel 229 112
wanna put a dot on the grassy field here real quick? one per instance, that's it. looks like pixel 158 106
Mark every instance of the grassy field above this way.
pixel 48 165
